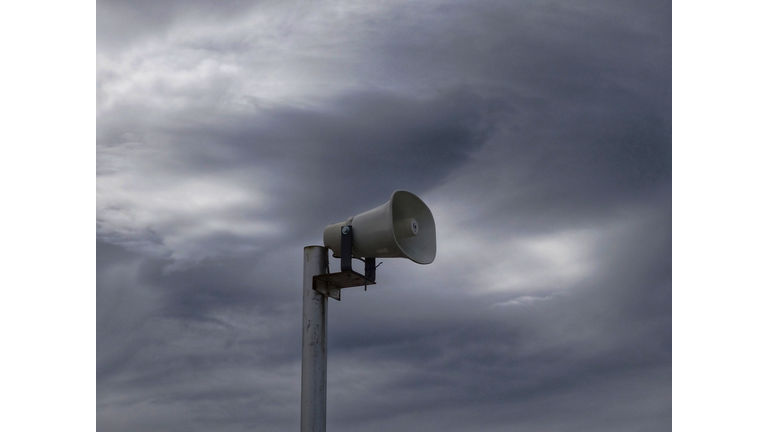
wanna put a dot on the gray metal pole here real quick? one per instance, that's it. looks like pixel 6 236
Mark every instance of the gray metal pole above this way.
pixel 314 343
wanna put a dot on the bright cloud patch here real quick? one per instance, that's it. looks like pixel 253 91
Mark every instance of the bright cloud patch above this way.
pixel 176 214
pixel 514 262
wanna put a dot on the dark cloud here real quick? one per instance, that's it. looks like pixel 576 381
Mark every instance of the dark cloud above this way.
pixel 613 326
pixel 364 145
pixel 540 136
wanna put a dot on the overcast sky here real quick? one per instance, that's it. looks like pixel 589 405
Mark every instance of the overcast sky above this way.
pixel 230 133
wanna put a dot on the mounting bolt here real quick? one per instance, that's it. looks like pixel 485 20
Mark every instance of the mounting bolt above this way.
pixel 345 230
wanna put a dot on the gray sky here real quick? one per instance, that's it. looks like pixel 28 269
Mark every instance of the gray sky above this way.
pixel 230 133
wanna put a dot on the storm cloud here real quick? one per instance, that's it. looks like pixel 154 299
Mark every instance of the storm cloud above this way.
pixel 229 134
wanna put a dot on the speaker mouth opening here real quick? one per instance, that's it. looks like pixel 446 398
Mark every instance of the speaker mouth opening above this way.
pixel 413 226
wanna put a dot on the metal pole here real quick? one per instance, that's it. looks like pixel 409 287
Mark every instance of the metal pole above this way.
pixel 314 343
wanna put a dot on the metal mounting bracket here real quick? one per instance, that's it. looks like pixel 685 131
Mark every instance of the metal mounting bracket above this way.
pixel 331 284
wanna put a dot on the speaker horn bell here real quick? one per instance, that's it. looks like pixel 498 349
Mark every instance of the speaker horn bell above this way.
pixel 403 227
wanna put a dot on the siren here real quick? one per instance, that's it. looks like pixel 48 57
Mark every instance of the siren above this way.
pixel 403 227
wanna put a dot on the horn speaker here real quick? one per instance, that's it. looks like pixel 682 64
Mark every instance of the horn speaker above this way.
pixel 403 227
